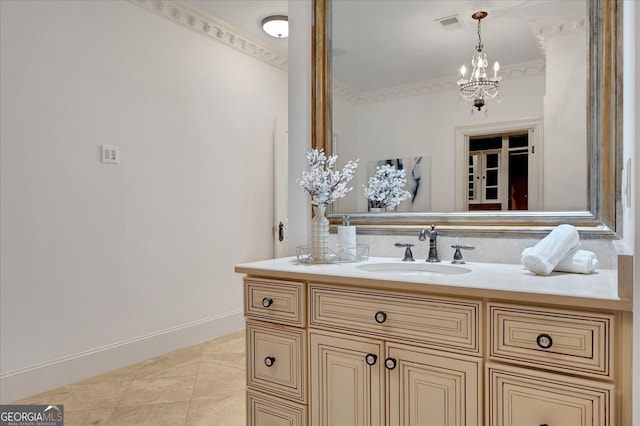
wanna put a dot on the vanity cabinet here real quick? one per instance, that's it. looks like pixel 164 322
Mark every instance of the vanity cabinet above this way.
pixel 545 342
pixel 518 396
pixel 278 360
pixel 337 350
pixel 451 324
pixel 264 410
pixel 432 388
pixel 360 381
pixel 347 380
pixel 276 352
pixel 375 357
pixel 364 372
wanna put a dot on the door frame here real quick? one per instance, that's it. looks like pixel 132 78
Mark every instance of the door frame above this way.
pixel 536 154
pixel 281 188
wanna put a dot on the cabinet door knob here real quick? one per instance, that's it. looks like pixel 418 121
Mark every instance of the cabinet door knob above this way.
pixel 380 317
pixel 371 359
pixel 266 302
pixel 544 341
pixel 390 363
pixel 269 361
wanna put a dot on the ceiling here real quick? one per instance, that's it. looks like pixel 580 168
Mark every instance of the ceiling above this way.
pixel 396 42
pixel 247 15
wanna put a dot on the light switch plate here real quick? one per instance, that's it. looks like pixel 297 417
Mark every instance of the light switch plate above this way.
pixel 110 154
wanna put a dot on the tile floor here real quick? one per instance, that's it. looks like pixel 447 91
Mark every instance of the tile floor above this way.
pixel 202 384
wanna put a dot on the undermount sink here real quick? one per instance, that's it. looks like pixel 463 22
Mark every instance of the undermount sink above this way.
pixel 413 268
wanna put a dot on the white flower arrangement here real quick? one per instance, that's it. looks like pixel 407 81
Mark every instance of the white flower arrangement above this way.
pixel 322 182
pixel 384 189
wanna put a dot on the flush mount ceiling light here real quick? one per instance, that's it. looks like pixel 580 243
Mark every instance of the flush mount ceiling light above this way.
pixel 479 86
pixel 276 26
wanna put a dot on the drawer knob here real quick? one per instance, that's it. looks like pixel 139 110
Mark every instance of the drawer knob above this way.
pixel 371 359
pixel 269 361
pixel 266 302
pixel 380 317
pixel 544 341
pixel 390 363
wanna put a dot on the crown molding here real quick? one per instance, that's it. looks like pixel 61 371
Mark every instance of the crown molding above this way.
pixel 345 92
pixel 557 27
pixel 213 28
pixel 525 69
pixel 541 30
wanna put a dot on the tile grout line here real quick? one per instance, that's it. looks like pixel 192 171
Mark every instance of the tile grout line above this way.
pixel 186 418
pixel 125 391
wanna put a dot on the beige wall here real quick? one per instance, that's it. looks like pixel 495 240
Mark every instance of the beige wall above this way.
pixel 423 125
pixel 99 257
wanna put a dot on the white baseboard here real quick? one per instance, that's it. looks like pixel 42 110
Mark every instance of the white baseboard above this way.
pixel 50 375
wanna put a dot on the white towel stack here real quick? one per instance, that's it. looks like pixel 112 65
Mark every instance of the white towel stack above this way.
pixel 560 246
pixel 577 261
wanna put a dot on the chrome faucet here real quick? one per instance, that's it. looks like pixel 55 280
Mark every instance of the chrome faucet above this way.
pixel 433 247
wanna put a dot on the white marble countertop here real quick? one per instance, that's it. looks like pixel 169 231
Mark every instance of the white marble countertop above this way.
pixel 486 280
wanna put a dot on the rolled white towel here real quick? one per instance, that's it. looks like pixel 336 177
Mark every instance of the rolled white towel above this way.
pixel 542 258
pixel 577 261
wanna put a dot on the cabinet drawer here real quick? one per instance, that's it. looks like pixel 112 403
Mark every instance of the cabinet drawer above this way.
pixel 276 301
pixel 263 410
pixel 445 323
pixel 276 360
pixel 561 340
pixel 517 397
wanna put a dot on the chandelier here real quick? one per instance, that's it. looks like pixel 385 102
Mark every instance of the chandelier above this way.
pixel 479 87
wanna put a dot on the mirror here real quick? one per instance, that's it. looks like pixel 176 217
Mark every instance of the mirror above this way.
pixel 603 139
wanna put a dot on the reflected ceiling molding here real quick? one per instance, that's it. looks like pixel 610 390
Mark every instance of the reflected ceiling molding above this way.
pixel 345 92
pixel 207 25
pixel 525 69
pixel 557 27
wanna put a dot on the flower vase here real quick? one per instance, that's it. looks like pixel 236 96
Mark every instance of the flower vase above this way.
pixel 319 234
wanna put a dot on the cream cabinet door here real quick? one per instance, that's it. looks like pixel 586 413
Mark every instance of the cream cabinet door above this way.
pixel 263 410
pixel 347 380
pixel 518 397
pixel 428 388
pixel 276 360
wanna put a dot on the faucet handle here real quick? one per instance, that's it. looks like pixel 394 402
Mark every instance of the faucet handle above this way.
pixel 457 256
pixel 408 254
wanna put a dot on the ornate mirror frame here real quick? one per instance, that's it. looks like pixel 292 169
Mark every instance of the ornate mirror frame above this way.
pixel 604 140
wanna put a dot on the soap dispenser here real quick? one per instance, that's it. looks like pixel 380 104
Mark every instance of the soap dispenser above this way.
pixel 346 239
